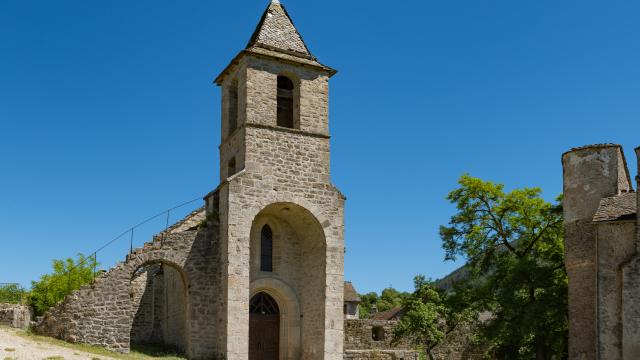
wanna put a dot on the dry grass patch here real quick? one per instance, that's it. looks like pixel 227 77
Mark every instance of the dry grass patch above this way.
pixel 96 350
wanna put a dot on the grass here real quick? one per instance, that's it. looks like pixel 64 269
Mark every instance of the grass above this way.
pixel 10 358
pixel 139 353
pixel 10 349
pixel 53 358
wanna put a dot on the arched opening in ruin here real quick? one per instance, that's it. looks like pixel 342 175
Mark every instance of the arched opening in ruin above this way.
pixel 158 294
pixel 296 278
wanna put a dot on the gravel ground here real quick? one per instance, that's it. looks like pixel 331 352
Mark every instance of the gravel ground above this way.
pixel 13 346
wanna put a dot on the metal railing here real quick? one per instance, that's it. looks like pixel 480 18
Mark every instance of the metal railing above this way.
pixel 11 293
pixel 66 275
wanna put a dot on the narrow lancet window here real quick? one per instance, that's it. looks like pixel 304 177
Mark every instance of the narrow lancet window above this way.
pixel 266 249
pixel 231 167
pixel 233 106
pixel 285 102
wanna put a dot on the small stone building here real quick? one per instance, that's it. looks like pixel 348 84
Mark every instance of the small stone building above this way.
pixel 601 248
pixel 351 302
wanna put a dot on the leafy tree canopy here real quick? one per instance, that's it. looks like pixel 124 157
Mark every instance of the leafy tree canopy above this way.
pixel 390 298
pixel 11 293
pixel 513 245
pixel 68 275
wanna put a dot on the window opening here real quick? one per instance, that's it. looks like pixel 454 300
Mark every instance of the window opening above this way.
pixel 266 249
pixel 285 102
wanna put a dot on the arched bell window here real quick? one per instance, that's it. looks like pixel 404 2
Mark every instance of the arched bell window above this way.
pixel 266 249
pixel 285 102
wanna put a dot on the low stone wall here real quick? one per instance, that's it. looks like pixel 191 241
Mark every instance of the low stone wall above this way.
pixel 367 334
pixel 458 345
pixel 366 339
pixel 380 355
pixel 16 316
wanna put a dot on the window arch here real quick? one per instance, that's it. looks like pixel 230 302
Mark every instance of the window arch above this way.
pixel 266 249
pixel 285 102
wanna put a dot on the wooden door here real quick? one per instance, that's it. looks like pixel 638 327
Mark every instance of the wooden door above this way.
pixel 264 336
pixel 264 328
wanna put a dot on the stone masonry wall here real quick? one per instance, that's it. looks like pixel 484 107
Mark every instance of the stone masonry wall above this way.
pixel 380 355
pixel 616 245
pixel 283 166
pixel 16 316
pixel 359 342
pixel 102 313
pixel 358 335
pixel 589 174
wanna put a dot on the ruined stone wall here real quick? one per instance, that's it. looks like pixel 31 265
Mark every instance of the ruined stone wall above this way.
pixel 366 339
pixel 16 316
pixel 359 335
pixel 102 313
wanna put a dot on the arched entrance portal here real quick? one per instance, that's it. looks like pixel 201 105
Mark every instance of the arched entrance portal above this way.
pixel 159 303
pixel 264 328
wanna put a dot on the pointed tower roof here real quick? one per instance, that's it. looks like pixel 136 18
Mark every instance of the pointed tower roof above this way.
pixel 277 37
pixel 277 32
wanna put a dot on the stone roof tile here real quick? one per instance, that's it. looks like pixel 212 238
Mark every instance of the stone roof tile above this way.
pixel 276 31
pixel 393 314
pixel 350 293
pixel 615 208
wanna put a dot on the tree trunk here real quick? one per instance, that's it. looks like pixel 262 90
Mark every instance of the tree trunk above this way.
pixel 429 354
pixel 540 350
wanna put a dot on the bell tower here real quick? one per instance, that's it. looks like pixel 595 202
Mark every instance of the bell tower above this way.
pixel 281 218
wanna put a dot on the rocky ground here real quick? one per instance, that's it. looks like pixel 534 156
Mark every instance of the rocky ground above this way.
pixel 14 346
pixel 18 345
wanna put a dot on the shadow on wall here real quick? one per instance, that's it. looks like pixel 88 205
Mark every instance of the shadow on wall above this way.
pixel 159 293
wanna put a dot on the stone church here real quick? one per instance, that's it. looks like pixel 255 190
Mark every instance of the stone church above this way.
pixel 258 272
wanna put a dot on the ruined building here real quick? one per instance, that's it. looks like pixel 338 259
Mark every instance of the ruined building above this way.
pixel 257 273
pixel 601 247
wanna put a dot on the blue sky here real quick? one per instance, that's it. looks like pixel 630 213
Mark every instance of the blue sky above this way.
pixel 108 114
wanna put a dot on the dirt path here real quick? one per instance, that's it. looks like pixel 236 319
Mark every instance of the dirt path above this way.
pixel 16 347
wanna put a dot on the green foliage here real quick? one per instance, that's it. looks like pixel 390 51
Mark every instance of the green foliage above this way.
pixel 430 314
pixel 514 250
pixel 367 301
pixel 390 298
pixel 11 294
pixel 68 275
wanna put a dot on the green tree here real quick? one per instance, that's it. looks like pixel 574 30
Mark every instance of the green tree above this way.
pixel 68 275
pixel 391 298
pixel 11 293
pixel 513 245
pixel 367 301
pixel 430 314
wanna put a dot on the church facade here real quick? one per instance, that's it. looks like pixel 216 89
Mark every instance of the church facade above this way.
pixel 281 219
pixel 258 272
